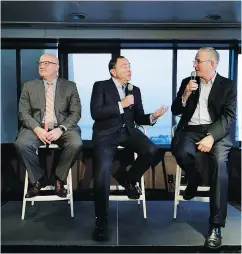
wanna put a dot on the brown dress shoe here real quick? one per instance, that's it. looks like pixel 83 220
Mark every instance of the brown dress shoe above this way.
pixel 60 189
pixel 34 191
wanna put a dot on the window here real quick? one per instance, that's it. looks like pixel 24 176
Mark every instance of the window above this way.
pixel 9 107
pixel 152 73
pixel 85 70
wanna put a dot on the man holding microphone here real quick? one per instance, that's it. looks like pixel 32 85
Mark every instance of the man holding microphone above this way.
pixel 207 105
pixel 116 106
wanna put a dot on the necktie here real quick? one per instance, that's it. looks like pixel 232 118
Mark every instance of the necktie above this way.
pixel 49 111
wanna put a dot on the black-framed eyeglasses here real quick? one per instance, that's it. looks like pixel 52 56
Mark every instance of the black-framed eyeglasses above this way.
pixel 199 61
pixel 45 63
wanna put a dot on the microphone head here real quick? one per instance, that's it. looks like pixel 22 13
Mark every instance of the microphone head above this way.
pixel 193 75
pixel 130 87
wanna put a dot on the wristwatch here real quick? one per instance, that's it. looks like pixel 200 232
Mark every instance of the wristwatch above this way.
pixel 63 129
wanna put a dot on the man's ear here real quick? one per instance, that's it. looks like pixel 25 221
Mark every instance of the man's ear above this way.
pixel 213 64
pixel 113 72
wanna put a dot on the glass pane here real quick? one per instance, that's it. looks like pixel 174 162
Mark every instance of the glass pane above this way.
pixel 185 64
pixel 9 107
pixel 152 73
pixel 85 70
pixel 29 67
pixel 238 133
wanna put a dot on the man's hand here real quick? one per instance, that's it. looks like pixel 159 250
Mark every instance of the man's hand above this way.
pixel 127 101
pixel 54 134
pixel 42 134
pixel 158 113
pixel 191 86
pixel 206 144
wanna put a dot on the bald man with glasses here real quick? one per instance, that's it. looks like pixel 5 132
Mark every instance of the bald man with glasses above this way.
pixel 49 110
pixel 207 106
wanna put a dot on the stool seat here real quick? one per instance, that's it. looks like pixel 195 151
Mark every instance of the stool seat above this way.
pixel 52 146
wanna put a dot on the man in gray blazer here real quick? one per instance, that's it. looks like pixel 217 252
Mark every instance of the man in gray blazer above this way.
pixel 49 110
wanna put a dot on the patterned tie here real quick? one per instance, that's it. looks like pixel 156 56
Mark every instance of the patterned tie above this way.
pixel 49 112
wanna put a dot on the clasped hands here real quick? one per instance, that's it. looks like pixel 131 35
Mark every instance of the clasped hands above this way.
pixel 48 136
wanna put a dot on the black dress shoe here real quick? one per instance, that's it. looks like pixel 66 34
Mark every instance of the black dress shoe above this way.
pixel 214 238
pixel 132 190
pixel 100 232
pixel 191 189
pixel 60 189
pixel 34 191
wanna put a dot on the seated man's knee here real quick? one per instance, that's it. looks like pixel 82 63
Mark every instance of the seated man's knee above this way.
pixel 182 155
pixel 152 150
pixel 21 145
pixel 76 145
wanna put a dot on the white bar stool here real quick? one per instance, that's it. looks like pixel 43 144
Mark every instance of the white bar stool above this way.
pixel 68 186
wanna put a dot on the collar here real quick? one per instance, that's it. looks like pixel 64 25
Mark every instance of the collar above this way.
pixel 211 81
pixel 53 82
pixel 118 85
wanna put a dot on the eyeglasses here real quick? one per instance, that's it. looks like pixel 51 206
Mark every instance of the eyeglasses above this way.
pixel 45 63
pixel 199 61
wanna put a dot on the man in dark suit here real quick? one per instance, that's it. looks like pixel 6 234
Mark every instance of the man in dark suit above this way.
pixel 49 110
pixel 115 114
pixel 207 107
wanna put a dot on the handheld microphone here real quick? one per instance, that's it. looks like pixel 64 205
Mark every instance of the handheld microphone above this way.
pixel 193 77
pixel 130 91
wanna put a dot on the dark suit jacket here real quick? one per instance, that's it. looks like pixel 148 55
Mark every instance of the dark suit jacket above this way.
pixel 105 110
pixel 32 104
pixel 221 106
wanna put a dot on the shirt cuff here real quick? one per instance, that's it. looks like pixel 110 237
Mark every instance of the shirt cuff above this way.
pixel 63 127
pixel 152 121
pixel 121 110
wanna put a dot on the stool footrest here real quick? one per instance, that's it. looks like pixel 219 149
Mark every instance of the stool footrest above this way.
pixel 48 198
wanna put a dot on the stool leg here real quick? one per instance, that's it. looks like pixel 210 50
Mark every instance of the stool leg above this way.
pixel 143 196
pixel 71 192
pixel 25 191
pixel 177 190
pixel 68 186
pixel 139 198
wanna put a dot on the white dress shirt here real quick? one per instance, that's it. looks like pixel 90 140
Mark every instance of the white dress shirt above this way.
pixel 201 114
pixel 121 91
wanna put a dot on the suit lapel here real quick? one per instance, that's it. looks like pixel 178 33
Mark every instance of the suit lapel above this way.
pixel 113 90
pixel 41 94
pixel 215 88
pixel 58 95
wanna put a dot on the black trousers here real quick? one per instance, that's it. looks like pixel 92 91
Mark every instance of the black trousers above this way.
pixel 185 150
pixel 103 154
pixel 27 144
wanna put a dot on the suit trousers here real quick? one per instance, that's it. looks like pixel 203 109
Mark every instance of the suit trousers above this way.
pixel 185 151
pixel 27 144
pixel 103 155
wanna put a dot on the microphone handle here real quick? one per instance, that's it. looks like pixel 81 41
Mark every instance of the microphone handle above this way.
pixel 130 93
pixel 193 78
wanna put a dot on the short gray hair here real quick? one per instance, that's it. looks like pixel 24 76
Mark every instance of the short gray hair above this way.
pixel 213 52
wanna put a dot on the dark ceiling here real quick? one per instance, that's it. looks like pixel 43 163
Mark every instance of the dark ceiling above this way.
pixel 121 14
